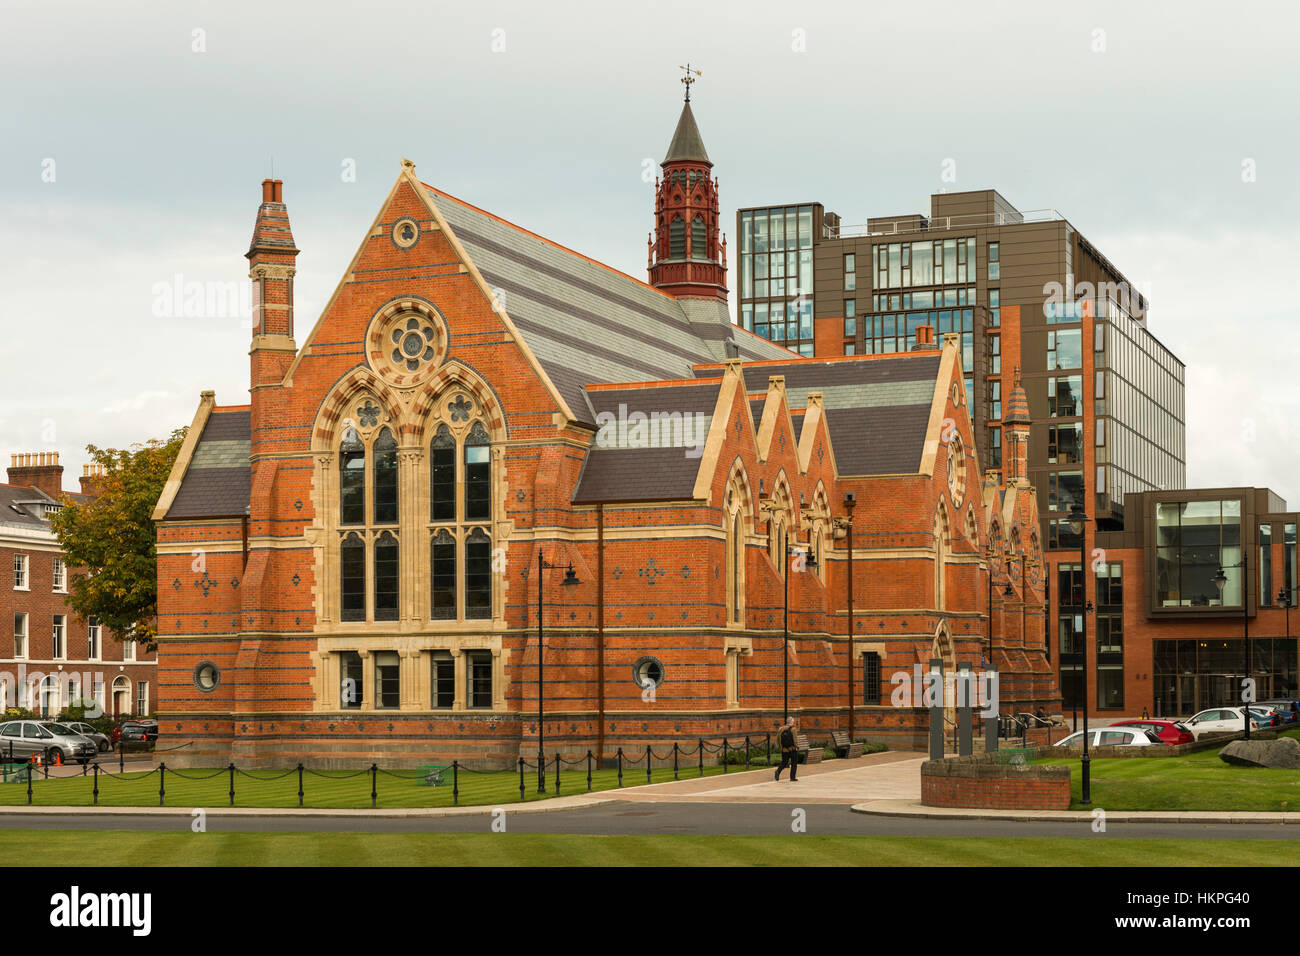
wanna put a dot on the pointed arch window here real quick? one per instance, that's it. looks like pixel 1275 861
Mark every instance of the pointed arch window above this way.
pixel 699 239
pixel 352 479
pixel 478 468
pixel 442 476
pixel 352 585
pixel 386 577
pixel 478 574
pixel 737 568
pixel 677 238
pixel 442 559
pixel 385 478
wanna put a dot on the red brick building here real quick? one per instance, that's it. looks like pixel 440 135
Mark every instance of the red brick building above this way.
pixel 56 659
pixel 348 565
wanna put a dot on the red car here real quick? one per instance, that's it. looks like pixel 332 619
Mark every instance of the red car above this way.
pixel 1169 731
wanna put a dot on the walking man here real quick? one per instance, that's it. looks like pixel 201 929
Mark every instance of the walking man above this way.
pixel 789 750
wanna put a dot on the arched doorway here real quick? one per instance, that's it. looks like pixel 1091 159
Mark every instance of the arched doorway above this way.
pixel 941 647
pixel 121 696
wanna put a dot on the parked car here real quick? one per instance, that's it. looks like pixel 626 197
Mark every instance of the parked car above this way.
pixel 81 727
pixel 23 738
pixel 1218 720
pixel 1113 737
pixel 1290 709
pixel 1267 716
pixel 1169 731
pixel 135 731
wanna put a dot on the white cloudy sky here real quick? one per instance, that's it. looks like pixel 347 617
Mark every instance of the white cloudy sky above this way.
pixel 156 151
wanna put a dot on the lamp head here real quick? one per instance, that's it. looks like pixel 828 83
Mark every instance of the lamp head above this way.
pixel 570 577
pixel 1078 520
pixel 1220 579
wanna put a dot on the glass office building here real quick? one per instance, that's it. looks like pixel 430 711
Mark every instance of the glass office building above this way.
pixel 776 273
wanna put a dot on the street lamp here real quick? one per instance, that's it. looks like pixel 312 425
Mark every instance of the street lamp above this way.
pixel 570 579
pixel 1221 579
pixel 1079 525
pixel 845 525
pixel 785 623
pixel 1284 599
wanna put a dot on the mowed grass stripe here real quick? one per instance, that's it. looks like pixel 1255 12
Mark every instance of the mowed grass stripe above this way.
pixel 183 848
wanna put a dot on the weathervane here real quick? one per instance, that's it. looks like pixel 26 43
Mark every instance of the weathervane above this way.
pixel 690 77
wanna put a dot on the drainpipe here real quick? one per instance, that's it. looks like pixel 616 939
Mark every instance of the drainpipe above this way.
pixel 600 632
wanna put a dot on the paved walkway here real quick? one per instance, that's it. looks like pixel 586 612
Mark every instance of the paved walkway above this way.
pixel 884 776
pixel 913 808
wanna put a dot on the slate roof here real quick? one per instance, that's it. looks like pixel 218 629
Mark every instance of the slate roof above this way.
pixel 588 323
pixel 619 466
pixel 877 408
pixel 15 515
pixel 218 480
pixel 687 144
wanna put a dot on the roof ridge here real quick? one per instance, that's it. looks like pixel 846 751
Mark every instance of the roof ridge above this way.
pixel 653 383
pixel 549 242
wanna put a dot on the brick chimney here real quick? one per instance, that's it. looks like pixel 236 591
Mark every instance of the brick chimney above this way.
pixel 925 339
pixel 91 476
pixel 271 255
pixel 39 469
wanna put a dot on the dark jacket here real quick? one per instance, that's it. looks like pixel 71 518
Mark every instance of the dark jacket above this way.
pixel 787 739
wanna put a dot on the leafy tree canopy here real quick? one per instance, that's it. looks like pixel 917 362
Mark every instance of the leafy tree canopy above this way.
pixel 109 541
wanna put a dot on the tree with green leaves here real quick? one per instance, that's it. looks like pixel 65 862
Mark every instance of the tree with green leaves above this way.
pixel 109 541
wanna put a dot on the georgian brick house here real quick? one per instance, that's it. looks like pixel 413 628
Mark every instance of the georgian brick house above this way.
pixel 348 564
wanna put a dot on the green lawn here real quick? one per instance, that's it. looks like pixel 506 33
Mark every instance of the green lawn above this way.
pixel 1198 781
pixel 133 848
pixel 331 789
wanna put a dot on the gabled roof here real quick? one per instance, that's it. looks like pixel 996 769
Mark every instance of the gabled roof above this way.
pixel 16 509
pixel 687 143
pixel 217 481
pixel 877 407
pixel 587 322
pixel 655 458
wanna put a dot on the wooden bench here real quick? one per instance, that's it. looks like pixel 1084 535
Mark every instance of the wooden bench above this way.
pixel 844 747
pixel 807 753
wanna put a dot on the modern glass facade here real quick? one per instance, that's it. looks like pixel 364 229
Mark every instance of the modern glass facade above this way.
pixel 1192 674
pixel 1194 539
pixel 776 273
pixel 896 332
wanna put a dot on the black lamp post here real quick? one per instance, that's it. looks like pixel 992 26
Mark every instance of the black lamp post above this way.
pixel 845 524
pixel 785 624
pixel 1221 579
pixel 1079 525
pixel 570 579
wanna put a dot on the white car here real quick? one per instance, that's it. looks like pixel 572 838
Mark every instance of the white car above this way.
pixel 1113 737
pixel 1218 720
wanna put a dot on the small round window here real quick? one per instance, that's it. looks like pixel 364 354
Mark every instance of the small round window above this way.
pixel 207 677
pixel 406 233
pixel 648 672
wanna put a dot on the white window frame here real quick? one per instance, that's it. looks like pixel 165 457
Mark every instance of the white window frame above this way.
pixel 22 634
pixel 59 635
pixel 60 576
pixel 94 640
pixel 22 579
pixel 128 651
pixel 141 698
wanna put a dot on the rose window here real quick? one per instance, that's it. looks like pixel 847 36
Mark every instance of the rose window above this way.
pixel 414 343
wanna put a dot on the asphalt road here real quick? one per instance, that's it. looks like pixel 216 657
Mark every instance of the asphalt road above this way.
pixel 657 818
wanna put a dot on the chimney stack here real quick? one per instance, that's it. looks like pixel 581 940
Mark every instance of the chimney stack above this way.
pixel 924 339
pixel 38 469
pixel 91 476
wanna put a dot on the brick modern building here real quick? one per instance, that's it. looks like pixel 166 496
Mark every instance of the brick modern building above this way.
pixel 56 658
pixel 477 406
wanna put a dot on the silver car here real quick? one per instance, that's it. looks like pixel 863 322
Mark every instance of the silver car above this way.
pixel 90 733
pixel 23 738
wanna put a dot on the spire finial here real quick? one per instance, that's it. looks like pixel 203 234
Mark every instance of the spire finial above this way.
pixel 1017 378
pixel 692 76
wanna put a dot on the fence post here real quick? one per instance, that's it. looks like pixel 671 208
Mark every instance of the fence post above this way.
pixel 557 774
pixel 96 790
pixel 746 751
pixel 162 782
pixel 374 785
pixel 700 751
pixel 300 785
pixel 768 735
pixel 45 768
pixel 232 783
pixel 620 766
pixel 121 758
pixel 521 779
pixel 589 771
pixel 674 760
pixel 724 754
pixel 455 783
pixel 647 763
pixel 29 780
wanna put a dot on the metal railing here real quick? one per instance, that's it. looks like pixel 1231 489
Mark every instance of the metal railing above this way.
pixel 908 225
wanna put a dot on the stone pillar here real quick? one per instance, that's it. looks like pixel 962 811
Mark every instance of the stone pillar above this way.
pixel 367 680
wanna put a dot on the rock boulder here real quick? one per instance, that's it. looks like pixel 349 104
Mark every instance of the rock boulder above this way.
pixel 1280 754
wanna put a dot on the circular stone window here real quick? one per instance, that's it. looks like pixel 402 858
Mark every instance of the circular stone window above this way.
pixel 406 342
pixel 207 677
pixel 648 672
pixel 406 233
pixel 956 471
